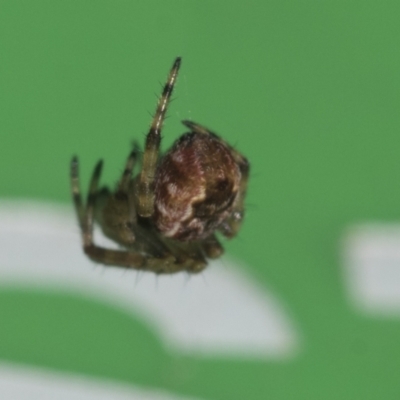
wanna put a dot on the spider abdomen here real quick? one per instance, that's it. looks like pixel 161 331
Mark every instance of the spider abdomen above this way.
pixel 196 185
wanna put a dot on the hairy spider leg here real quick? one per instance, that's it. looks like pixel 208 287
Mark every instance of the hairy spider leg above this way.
pixel 123 185
pixel 153 139
pixel 230 227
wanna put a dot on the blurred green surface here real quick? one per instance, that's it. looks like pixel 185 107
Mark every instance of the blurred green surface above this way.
pixel 309 91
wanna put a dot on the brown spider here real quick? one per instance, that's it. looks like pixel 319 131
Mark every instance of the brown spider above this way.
pixel 166 217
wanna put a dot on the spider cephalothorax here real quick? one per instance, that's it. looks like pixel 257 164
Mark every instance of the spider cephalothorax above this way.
pixel 166 217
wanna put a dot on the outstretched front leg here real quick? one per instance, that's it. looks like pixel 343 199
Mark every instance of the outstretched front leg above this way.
pixel 153 140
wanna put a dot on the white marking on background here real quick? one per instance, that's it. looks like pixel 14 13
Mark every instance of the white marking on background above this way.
pixel 224 312
pixel 372 267
pixel 22 383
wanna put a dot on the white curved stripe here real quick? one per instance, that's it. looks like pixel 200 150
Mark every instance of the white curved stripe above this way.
pixel 222 311
pixel 23 383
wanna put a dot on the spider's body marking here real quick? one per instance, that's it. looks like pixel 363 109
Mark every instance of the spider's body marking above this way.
pixel 166 216
pixel 207 180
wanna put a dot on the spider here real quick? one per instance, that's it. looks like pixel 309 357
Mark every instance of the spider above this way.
pixel 165 218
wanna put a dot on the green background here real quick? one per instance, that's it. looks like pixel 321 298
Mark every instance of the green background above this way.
pixel 307 90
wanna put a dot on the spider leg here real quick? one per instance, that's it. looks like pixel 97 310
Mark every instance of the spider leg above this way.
pixel 188 254
pixel 123 185
pixel 195 127
pixel 212 248
pixel 76 192
pixel 196 262
pixel 153 139
pixel 90 202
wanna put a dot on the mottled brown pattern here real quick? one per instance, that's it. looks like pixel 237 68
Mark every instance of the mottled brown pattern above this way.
pixel 205 178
